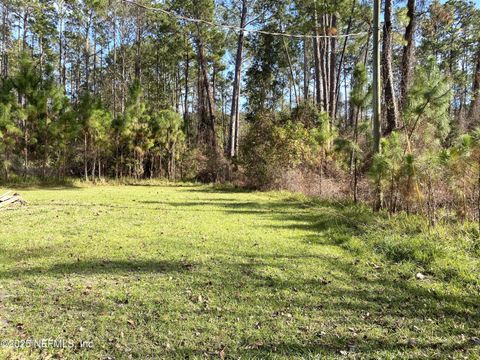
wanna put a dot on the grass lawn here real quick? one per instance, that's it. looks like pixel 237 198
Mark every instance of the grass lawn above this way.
pixel 148 272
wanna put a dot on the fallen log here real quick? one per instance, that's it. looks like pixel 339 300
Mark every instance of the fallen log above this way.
pixel 6 196
pixel 10 198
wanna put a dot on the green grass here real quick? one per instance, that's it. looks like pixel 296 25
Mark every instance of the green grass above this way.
pixel 147 272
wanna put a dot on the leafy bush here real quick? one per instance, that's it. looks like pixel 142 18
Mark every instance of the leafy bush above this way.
pixel 273 146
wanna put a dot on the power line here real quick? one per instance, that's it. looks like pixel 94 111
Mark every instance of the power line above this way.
pixel 237 28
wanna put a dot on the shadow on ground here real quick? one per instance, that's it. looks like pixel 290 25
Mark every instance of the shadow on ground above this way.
pixel 372 298
pixel 376 299
pixel 93 267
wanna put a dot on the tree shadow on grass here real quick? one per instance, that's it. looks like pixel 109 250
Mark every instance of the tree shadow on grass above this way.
pixel 232 206
pixel 9 254
pixel 347 293
pixel 217 189
pixel 210 202
pixel 336 348
pixel 391 301
pixel 93 267
pixel 385 303
pixel 378 290
pixel 165 185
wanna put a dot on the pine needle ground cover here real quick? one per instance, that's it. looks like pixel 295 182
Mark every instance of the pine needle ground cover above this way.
pixel 172 271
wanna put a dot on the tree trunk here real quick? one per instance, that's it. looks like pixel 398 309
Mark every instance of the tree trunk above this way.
pixel 187 78
pixel 325 64
pixel 292 73
pixel 332 70
pixel 474 112
pixel 5 37
pixel 208 90
pixel 235 106
pixel 388 86
pixel 342 57
pixel 138 58
pixel 408 53
pixel 318 72
pixel 94 60
pixel 114 75
pixel 26 140
pixel 376 96
pixel 87 51
pixel 306 71
pixel 45 155
pixel 85 155
pixel 60 48
pixel 24 37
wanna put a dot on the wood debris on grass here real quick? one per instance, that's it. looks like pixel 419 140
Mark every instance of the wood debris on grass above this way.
pixel 10 198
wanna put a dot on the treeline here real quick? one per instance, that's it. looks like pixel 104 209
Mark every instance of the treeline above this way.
pixel 112 89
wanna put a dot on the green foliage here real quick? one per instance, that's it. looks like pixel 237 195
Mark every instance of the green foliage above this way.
pixel 9 134
pixel 169 139
pixel 461 170
pixel 426 114
pixel 265 86
pixel 393 172
pixel 273 146
pixel 361 93
pixel 33 112
pixel 95 123
pixel 407 168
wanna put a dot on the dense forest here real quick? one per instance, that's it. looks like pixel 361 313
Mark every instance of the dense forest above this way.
pixel 267 94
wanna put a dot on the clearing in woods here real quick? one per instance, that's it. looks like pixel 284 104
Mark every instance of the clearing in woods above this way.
pixel 195 271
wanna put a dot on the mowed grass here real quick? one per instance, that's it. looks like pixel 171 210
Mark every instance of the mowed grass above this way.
pixel 172 271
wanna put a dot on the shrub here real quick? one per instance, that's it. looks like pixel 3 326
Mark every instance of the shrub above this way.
pixel 273 146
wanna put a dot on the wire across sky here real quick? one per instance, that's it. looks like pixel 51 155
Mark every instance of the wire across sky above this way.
pixel 237 28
